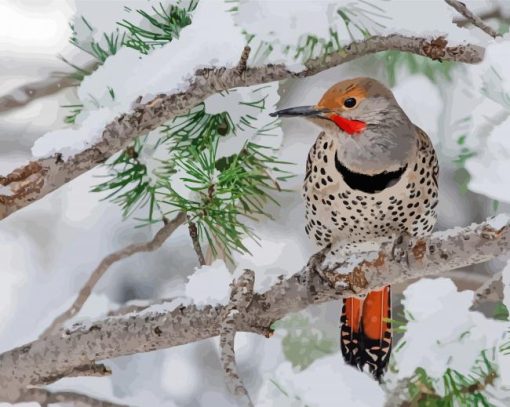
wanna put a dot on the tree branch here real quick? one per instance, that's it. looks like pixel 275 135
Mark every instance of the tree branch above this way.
pixel 45 397
pixel 34 180
pixel 240 298
pixel 157 241
pixel 473 18
pixel 158 328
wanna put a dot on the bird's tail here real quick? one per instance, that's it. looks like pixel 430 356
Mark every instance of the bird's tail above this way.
pixel 365 333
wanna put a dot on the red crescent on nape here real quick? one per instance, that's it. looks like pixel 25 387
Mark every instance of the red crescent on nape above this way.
pixel 349 126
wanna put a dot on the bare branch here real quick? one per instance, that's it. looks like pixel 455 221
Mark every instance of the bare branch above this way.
pixel 38 178
pixel 45 397
pixel 473 18
pixel 158 328
pixel 240 298
pixel 193 232
pixel 157 241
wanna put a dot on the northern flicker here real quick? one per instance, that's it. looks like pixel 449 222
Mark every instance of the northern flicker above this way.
pixel 371 175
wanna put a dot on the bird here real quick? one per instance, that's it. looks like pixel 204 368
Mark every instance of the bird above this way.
pixel 371 175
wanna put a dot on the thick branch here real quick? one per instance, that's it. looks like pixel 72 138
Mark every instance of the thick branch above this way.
pixel 157 241
pixel 473 18
pixel 37 178
pixel 156 328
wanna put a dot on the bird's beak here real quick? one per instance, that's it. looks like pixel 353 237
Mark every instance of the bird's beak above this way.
pixel 303 111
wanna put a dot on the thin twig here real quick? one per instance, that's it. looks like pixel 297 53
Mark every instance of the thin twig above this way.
pixel 36 179
pixel 157 241
pixel 45 397
pixel 240 298
pixel 472 17
pixel 193 232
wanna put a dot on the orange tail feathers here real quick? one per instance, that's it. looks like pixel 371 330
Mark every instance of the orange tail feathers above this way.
pixel 365 335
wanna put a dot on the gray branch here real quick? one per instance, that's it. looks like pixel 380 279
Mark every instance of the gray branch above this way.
pixel 36 179
pixel 472 17
pixel 152 329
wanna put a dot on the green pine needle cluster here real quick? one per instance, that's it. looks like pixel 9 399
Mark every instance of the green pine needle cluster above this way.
pixel 164 25
pixel 221 190
pixel 156 30
pixel 459 389
pixel 128 184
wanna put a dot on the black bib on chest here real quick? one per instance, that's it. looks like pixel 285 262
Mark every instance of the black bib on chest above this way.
pixel 369 183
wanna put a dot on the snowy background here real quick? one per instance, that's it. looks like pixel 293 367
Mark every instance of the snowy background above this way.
pixel 49 248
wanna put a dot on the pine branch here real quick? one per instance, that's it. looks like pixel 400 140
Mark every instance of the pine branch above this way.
pixel 111 337
pixel 473 18
pixel 157 241
pixel 34 180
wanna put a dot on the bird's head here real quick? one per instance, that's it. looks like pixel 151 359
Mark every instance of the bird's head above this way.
pixel 363 115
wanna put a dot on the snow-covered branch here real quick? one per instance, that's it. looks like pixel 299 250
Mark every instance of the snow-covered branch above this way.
pixel 178 322
pixel 34 180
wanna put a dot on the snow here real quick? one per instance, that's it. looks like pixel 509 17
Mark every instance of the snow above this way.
pixel 71 141
pixel 499 221
pixel 489 168
pixel 286 24
pixel 421 100
pixel 428 18
pixel 103 17
pixel 326 382
pixel 506 284
pixel 443 332
pixel 249 110
pixel 153 154
pixel 211 40
pixel 489 123
pixel 216 278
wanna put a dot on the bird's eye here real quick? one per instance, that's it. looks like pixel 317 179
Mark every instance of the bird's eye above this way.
pixel 350 102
